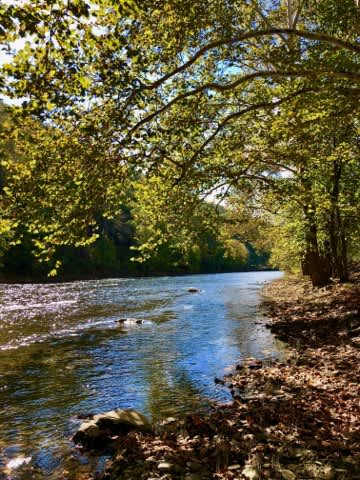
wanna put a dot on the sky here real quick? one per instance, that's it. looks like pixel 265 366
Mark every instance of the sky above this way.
pixel 17 45
pixel 6 58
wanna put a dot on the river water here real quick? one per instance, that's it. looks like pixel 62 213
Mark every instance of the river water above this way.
pixel 63 354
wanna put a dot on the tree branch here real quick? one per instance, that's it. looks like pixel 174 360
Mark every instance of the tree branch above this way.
pixel 320 37
pixel 234 115
pixel 246 78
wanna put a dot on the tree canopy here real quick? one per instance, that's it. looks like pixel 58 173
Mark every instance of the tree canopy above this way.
pixel 177 100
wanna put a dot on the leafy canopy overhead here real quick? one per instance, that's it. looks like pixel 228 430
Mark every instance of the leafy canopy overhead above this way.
pixel 175 91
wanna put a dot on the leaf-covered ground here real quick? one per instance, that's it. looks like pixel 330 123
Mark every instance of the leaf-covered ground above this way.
pixel 293 420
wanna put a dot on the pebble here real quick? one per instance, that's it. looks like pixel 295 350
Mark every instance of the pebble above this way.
pixel 165 466
pixel 151 459
pixel 288 474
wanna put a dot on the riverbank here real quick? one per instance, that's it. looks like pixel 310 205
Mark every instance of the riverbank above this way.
pixel 293 420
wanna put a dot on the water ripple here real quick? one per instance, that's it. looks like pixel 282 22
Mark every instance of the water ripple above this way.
pixel 63 353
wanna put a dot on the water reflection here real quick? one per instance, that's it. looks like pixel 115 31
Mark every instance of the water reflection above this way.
pixel 63 354
pixel 170 392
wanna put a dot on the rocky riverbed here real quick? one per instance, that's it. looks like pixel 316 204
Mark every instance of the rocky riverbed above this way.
pixel 290 420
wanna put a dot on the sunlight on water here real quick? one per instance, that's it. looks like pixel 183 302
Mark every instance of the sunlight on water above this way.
pixel 63 353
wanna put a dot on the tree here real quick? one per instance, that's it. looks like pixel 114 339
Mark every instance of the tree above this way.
pixel 55 185
pixel 319 146
pixel 160 89
pixel 303 159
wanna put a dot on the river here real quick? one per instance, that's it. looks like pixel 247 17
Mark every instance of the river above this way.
pixel 63 354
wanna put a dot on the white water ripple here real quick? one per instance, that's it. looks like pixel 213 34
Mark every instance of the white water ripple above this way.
pixel 29 306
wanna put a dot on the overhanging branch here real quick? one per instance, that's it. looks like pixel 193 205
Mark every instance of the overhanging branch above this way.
pixel 245 78
pixel 320 37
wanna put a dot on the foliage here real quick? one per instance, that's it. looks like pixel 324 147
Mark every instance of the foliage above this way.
pixel 181 99
pixel 317 199
pixel 111 255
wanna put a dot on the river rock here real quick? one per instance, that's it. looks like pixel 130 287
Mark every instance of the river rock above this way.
pixel 101 430
pixel 17 462
pixel 165 466
pixel 130 321
pixel 193 289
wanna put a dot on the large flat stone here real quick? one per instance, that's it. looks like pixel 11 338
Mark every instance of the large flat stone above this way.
pixel 102 428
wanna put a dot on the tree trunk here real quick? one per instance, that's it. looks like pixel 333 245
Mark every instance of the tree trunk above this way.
pixel 343 267
pixel 316 266
pixel 337 235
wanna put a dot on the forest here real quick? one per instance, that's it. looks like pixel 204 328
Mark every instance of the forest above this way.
pixel 114 253
pixel 115 247
pixel 146 138
pixel 155 107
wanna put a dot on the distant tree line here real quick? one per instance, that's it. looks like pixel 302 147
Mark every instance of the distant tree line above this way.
pixel 112 254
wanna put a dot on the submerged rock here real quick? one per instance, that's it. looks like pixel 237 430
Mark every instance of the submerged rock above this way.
pixel 104 428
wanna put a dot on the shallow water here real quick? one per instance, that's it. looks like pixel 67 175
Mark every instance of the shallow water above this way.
pixel 63 354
